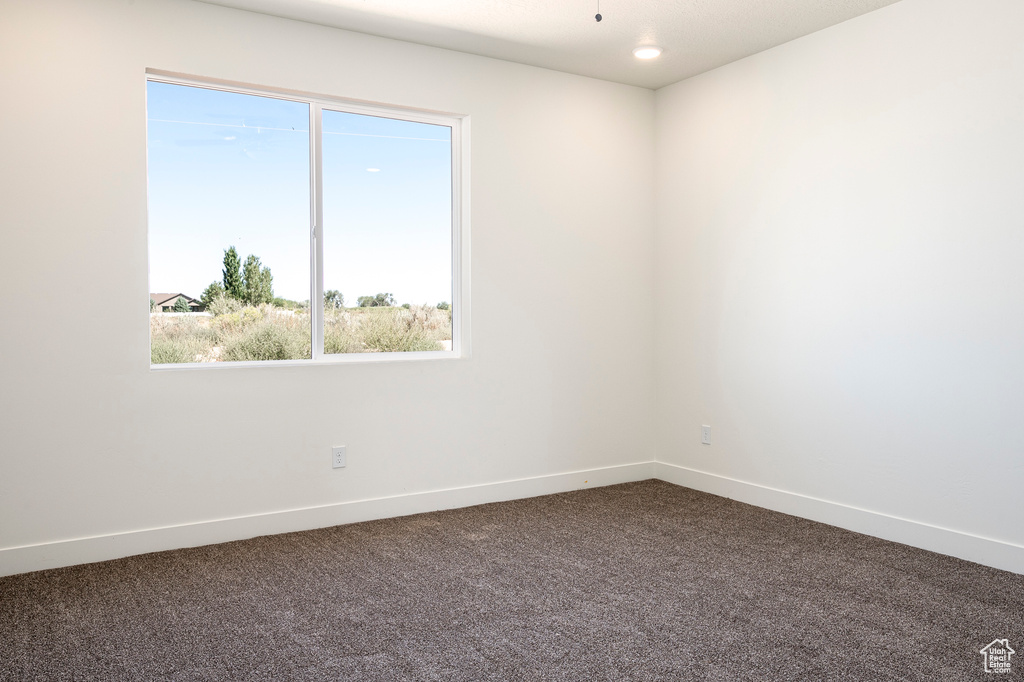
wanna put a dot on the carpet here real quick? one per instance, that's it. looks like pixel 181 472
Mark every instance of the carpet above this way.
pixel 640 581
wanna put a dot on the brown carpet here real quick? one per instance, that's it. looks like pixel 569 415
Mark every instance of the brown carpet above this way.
pixel 643 581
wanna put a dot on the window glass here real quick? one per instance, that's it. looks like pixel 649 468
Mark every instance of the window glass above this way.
pixel 229 216
pixel 387 237
pixel 240 270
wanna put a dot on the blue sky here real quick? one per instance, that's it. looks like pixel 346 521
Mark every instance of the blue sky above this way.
pixel 231 169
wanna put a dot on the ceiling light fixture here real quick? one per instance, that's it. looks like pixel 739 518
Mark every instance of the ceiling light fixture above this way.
pixel 646 51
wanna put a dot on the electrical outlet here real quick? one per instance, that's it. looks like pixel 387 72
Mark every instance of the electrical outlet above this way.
pixel 338 456
pixel 705 434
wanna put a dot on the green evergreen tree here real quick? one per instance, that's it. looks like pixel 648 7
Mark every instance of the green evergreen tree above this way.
pixel 257 282
pixel 181 305
pixel 233 285
pixel 266 285
pixel 211 293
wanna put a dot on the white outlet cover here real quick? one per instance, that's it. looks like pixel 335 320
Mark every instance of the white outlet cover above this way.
pixel 705 434
pixel 338 456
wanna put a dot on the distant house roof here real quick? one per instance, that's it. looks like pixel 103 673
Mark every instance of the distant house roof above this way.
pixel 169 299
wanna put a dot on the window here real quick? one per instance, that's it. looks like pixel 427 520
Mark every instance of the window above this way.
pixel 290 229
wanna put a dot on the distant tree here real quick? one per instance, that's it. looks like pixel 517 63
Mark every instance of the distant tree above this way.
pixel 406 305
pixel 266 285
pixel 443 305
pixel 257 282
pixel 181 305
pixel 333 299
pixel 378 301
pixel 152 305
pixel 233 285
pixel 211 294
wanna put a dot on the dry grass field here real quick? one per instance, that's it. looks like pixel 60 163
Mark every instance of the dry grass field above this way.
pixel 232 333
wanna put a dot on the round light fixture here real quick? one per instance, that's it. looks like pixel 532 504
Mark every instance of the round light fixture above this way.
pixel 646 51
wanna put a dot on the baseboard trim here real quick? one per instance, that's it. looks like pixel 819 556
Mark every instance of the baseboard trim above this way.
pixel 86 550
pixel 982 550
pixel 976 548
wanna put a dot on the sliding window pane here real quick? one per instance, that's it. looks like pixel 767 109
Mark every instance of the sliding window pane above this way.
pixel 229 207
pixel 387 246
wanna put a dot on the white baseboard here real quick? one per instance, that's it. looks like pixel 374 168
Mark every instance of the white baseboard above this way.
pixel 114 546
pixel 982 550
pixel 987 551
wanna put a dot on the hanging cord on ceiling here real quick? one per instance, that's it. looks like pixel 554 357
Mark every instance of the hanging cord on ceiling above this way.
pixel 598 15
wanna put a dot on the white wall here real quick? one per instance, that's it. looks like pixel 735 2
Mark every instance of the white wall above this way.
pixel 836 241
pixel 840 276
pixel 561 377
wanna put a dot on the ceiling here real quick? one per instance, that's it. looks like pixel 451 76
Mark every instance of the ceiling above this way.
pixel 697 35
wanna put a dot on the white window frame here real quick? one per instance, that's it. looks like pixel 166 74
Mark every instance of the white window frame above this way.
pixel 460 307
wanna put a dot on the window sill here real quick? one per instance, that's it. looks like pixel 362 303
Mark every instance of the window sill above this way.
pixel 347 359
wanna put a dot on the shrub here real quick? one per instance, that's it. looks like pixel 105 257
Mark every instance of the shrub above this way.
pixel 434 322
pixel 224 305
pixel 287 304
pixel 443 305
pixel 341 340
pixel 269 340
pixel 395 332
pixel 173 345
pixel 229 325
pixel 340 333
pixel 181 339
pixel 191 327
pixel 170 351
pixel 181 305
